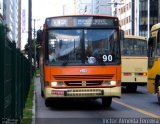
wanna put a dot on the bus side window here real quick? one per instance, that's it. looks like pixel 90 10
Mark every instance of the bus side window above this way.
pixel 158 49
pixel 151 51
pixel 151 47
pixel 158 44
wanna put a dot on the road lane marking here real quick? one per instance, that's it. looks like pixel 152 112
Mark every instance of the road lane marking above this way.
pixel 137 109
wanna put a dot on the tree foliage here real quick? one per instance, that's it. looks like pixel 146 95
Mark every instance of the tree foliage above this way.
pixel 26 50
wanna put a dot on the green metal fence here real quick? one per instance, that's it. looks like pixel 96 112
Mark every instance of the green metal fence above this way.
pixel 14 80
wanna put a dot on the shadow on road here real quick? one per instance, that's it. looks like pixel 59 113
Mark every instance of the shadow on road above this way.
pixel 139 91
pixel 78 104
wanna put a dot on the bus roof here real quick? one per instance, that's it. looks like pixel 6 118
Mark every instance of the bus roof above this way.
pixel 155 27
pixel 135 37
pixel 93 15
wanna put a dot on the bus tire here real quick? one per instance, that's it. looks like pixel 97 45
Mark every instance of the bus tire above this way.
pixel 48 103
pixel 106 101
pixel 158 96
pixel 157 83
pixel 158 93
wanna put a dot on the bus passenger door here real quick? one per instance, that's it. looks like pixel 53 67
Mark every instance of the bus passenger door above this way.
pixel 151 58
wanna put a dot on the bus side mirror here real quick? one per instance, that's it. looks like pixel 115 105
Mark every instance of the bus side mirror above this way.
pixel 40 37
pixel 121 35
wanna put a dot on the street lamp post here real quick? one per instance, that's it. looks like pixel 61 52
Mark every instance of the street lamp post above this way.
pixel 115 4
pixel 35 52
pixel 64 9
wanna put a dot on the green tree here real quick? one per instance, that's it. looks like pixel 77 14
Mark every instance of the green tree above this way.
pixel 26 50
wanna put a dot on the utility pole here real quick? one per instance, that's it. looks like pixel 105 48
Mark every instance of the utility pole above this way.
pixel 30 35
pixel 34 45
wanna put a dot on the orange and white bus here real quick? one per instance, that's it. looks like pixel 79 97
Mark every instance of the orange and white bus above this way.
pixel 153 84
pixel 81 58
pixel 134 62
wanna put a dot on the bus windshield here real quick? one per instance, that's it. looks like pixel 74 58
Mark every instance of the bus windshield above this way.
pixel 134 47
pixel 82 47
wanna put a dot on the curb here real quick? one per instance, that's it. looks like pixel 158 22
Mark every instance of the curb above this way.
pixel 34 106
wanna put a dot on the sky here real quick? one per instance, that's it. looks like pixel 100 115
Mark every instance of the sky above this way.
pixel 42 9
pixel 48 8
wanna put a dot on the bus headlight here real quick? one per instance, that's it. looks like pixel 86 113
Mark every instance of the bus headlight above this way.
pixel 113 82
pixel 109 83
pixel 54 84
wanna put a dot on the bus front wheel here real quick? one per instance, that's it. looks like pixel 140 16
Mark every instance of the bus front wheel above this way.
pixel 106 101
pixel 48 102
pixel 158 94
pixel 157 87
pixel 158 99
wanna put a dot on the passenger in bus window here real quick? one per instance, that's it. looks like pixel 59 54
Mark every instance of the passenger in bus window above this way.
pixel 90 58
pixel 100 49
pixel 52 55
pixel 89 51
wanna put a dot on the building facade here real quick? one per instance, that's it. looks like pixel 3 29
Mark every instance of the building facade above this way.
pixel 1 11
pixel 102 7
pixel 123 10
pixel 147 15
pixel 84 7
pixel 12 18
pixel 137 16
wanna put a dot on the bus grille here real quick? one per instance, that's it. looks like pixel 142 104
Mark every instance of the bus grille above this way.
pixel 83 83
pixel 83 77
pixel 83 80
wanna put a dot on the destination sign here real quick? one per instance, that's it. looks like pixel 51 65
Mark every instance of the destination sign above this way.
pixel 88 21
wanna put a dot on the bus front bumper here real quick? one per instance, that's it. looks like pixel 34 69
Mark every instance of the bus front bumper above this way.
pixel 82 92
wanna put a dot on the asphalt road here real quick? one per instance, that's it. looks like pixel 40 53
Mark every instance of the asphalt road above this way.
pixel 132 108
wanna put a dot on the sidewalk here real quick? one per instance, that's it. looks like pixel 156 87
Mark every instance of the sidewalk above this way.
pixel 34 101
